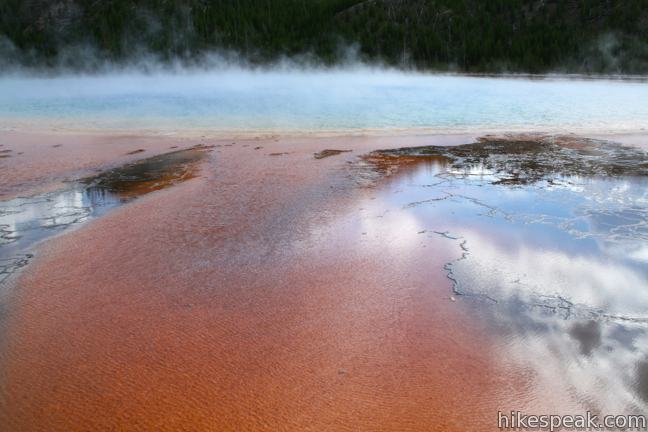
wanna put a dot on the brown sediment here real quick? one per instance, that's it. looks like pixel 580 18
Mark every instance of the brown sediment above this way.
pixel 203 146
pixel 386 163
pixel 44 168
pixel 149 175
pixel 329 152
pixel 136 151
pixel 529 158
pixel 232 302
pixel 571 141
pixel 28 220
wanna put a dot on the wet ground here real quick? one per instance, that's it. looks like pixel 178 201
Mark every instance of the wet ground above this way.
pixel 413 289
pixel 552 242
pixel 25 221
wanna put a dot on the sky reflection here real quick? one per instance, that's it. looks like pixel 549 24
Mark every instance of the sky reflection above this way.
pixel 556 265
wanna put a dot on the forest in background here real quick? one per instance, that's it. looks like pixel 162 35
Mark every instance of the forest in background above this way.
pixel 529 36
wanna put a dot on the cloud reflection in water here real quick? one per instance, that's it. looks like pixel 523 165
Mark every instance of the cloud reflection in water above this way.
pixel 560 253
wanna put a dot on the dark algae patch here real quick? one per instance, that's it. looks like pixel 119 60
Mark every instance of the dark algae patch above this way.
pixel 147 175
pixel 136 151
pixel 520 160
pixel 27 220
pixel 329 152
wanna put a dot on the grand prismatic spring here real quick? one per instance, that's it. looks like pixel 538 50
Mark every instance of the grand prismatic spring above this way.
pixel 344 250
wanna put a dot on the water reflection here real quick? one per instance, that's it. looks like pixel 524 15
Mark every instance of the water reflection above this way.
pixel 551 241
pixel 642 379
pixel 25 221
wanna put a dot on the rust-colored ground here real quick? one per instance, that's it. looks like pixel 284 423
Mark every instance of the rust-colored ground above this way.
pixel 249 298
pixel 37 162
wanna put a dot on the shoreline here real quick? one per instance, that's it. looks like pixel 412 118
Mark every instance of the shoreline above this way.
pixel 39 161
pixel 252 133
pixel 39 73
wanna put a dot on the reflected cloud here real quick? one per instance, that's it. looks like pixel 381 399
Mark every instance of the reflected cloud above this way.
pixel 642 379
pixel 587 334
pixel 26 221
pixel 551 244
pixel 582 285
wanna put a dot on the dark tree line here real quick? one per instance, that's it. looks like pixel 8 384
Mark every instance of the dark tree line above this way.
pixel 592 36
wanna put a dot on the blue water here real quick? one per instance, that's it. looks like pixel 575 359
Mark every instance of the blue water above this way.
pixel 284 101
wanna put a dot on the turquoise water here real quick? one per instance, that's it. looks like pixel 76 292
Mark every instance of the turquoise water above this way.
pixel 237 100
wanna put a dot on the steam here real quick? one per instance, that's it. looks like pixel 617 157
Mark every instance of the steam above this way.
pixel 229 90
pixel 84 59
pixel 223 96
pixel 82 56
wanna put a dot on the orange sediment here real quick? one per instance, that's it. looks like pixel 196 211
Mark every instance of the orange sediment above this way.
pixel 250 298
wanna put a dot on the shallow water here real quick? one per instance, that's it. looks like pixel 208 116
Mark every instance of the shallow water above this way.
pixel 274 293
pixel 341 101
pixel 552 252
pixel 24 221
pixel 236 303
